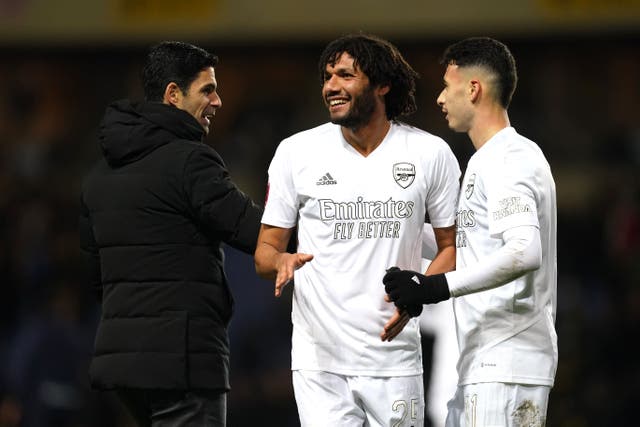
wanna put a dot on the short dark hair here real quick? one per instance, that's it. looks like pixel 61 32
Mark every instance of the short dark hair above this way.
pixel 488 53
pixel 172 61
pixel 382 63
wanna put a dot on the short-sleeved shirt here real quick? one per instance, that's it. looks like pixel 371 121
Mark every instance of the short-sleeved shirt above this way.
pixel 507 334
pixel 358 216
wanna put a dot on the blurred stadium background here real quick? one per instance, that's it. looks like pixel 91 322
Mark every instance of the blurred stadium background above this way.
pixel 62 61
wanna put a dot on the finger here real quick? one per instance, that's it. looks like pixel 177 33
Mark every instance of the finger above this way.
pixel 303 259
pixel 392 321
pixel 394 331
pixel 390 275
pixel 395 325
pixel 398 328
pixel 284 276
pixel 278 290
pixel 403 318
pixel 281 286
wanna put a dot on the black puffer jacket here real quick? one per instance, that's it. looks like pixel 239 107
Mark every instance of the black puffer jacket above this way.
pixel 155 212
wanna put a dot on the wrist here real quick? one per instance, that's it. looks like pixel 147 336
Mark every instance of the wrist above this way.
pixel 438 288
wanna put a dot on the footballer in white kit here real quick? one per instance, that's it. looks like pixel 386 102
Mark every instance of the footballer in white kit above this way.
pixel 358 216
pixel 504 286
pixel 507 334
pixel 359 190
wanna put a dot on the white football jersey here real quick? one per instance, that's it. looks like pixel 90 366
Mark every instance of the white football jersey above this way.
pixel 507 334
pixel 358 216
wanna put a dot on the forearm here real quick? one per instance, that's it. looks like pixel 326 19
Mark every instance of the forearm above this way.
pixel 444 261
pixel 445 258
pixel 270 248
pixel 520 254
pixel 266 260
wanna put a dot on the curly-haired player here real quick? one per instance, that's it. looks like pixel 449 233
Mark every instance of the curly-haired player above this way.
pixel 359 190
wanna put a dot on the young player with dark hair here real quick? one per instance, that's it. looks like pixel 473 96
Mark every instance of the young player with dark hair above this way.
pixel 504 285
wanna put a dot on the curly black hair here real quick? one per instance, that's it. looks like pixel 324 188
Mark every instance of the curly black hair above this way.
pixel 382 63
pixel 173 61
pixel 488 53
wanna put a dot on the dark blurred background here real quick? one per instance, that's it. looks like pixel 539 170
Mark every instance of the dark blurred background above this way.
pixel 62 62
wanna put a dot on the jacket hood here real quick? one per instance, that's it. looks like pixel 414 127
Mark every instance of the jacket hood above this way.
pixel 131 130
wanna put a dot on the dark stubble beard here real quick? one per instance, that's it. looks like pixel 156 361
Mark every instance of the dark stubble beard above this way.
pixel 362 109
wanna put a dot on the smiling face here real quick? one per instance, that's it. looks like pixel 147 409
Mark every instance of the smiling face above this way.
pixel 201 99
pixel 455 99
pixel 348 94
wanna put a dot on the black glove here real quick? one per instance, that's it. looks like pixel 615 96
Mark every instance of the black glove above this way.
pixel 414 310
pixel 408 288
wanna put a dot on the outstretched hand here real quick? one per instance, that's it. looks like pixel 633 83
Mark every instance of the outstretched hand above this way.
pixel 286 265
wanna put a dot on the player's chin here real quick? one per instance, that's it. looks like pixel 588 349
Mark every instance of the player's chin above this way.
pixel 457 126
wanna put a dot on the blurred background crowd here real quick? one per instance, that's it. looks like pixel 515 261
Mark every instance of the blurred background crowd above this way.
pixel 578 97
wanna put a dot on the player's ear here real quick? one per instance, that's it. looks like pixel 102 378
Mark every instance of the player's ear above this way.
pixel 474 90
pixel 383 90
pixel 172 94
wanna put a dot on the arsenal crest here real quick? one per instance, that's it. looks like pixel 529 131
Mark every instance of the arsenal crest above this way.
pixel 468 189
pixel 404 174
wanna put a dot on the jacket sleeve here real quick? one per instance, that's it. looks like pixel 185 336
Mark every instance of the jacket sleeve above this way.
pixel 89 250
pixel 225 212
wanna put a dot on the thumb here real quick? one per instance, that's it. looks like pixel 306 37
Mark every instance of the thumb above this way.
pixel 303 259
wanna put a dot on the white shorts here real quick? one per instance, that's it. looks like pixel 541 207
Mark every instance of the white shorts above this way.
pixel 329 400
pixel 498 404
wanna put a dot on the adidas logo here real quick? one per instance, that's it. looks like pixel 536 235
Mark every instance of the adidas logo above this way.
pixel 326 179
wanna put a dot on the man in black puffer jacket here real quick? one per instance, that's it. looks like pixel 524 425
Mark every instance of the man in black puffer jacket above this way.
pixel 155 213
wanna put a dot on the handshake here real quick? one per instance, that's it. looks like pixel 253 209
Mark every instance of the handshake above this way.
pixel 409 290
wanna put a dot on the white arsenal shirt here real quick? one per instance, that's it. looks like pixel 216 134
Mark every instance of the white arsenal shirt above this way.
pixel 507 334
pixel 358 216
